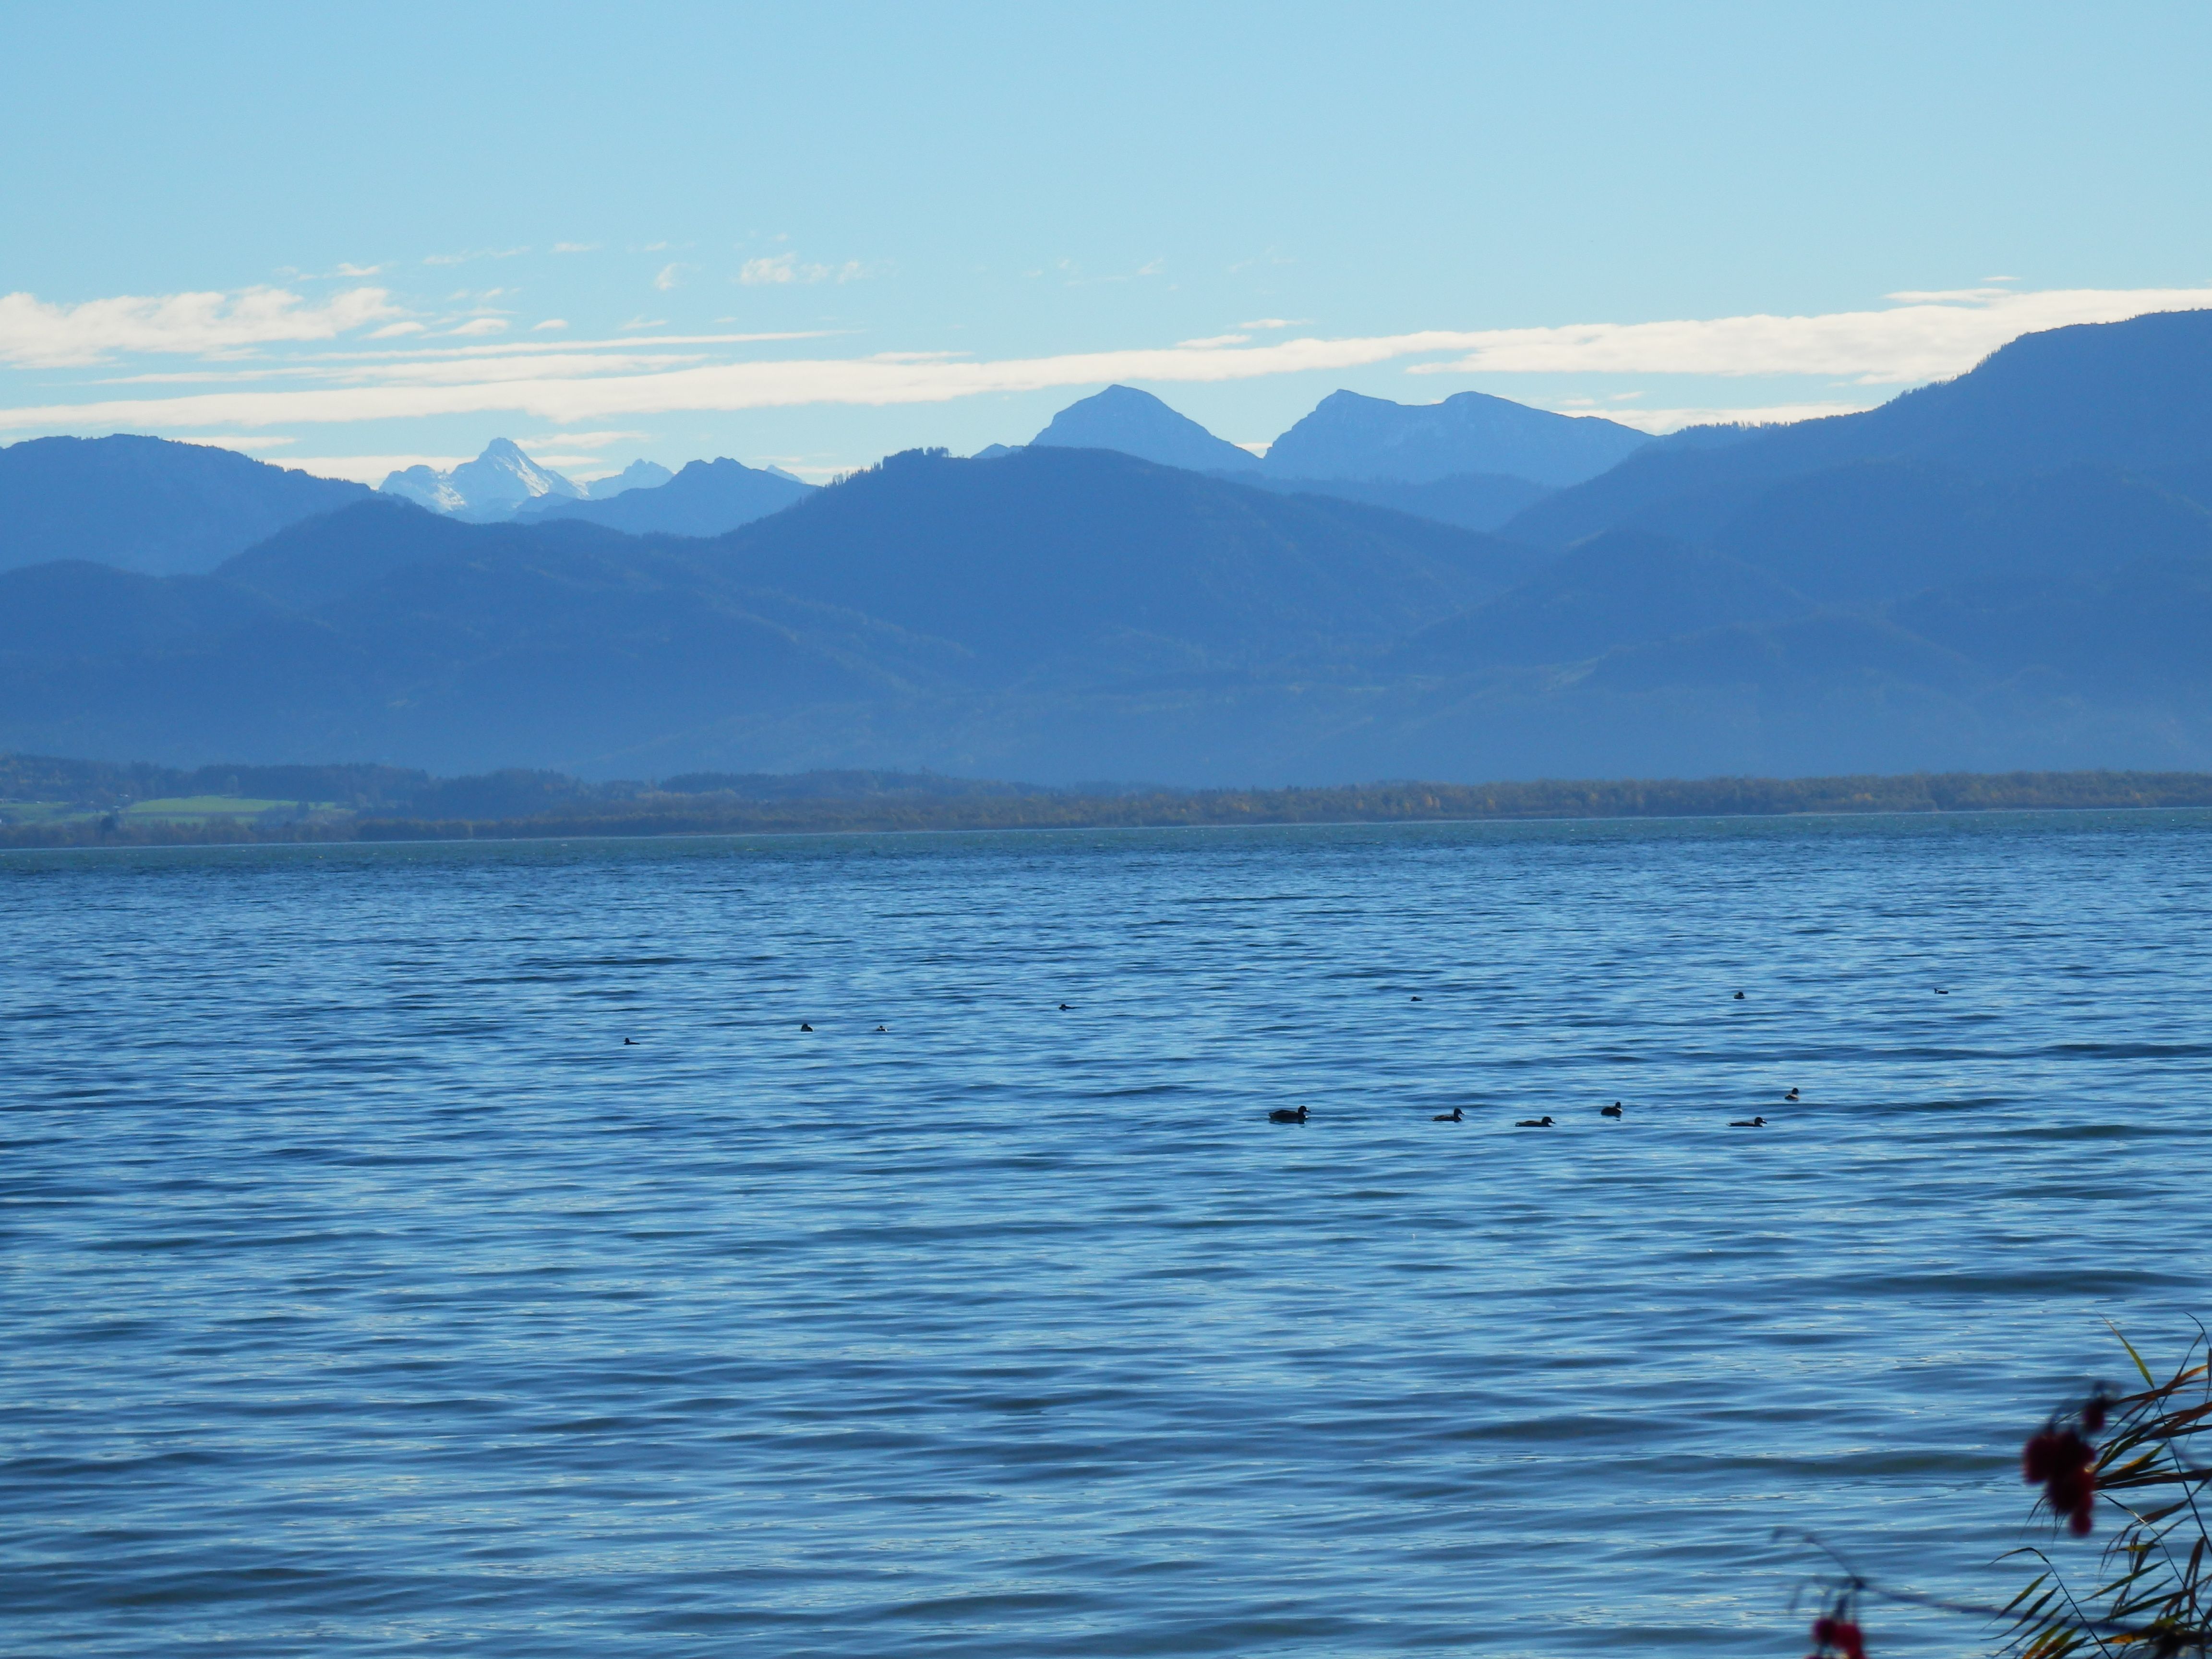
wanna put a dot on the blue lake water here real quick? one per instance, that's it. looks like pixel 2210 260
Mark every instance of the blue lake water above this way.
pixel 366 1294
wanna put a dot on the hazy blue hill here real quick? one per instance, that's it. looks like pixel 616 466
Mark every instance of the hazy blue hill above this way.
pixel 147 504
pixel 2136 395
pixel 1614 590
pixel 1065 613
pixel 1137 424
pixel 707 498
pixel 1351 436
pixel 75 608
pixel 638 475
pixel 1809 656
pixel 1474 500
pixel 2192 479
pixel 1676 489
pixel 558 643
pixel 319 559
pixel 2136 631
pixel 1876 531
pixel 1053 554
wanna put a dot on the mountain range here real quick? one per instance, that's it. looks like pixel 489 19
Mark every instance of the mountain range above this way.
pixel 146 504
pixel 1472 460
pixel 2013 569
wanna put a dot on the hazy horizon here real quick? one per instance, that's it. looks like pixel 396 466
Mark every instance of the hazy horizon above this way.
pixel 1616 211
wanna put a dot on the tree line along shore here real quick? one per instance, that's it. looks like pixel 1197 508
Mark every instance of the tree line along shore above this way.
pixel 537 805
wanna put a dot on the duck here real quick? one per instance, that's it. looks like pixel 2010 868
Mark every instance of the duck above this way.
pixel 1064 1008
pixel 803 1026
pixel 1792 1095
pixel 1739 996
pixel 1417 999
pixel 883 1028
pixel 1940 991
pixel 630 1043
pixel 1285 1115
pixel 1454 1115
pixel 1612 1111
pixel 1536 1123
pixel 1747 1123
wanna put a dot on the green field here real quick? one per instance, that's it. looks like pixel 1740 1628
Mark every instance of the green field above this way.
pixel 205 806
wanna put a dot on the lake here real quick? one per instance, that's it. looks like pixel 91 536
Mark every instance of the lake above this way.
pixel 464 1249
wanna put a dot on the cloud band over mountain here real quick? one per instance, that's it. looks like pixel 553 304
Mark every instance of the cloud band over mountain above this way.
pixel 1921 336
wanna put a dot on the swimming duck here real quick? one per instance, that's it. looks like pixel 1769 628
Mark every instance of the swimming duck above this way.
pixel 1792 1095
pixel 1417 999
pixel 1536 1123
pixel 883 1028
pixel 1747 1123
pixel 1452 1117
pixel 1612 1111
pixel 1285 1115
pixel 803 1026
pixel 1063 1008
pixel 1739 996
pixel 1940 991
pixel 630 1043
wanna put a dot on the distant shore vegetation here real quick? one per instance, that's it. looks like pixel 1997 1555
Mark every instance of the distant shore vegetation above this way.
pixel 50 802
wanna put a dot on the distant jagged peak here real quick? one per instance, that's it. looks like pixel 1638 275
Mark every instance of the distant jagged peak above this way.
pixel 492 486
pixel 1137 424
pixel 1351 436
pixel 638 475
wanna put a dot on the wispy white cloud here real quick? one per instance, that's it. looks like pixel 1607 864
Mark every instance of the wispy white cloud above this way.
pixel 669 275
pixel 362 469
pixel 1924 336
pixel 1920 339
pixel 579 440
pixel 575 248
pixel 778 269
pixel 1277 322
pixel 480 326
pixel 38 335
pixel 551 322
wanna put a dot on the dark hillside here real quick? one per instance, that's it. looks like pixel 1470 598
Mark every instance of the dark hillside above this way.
pixel 73 608
pixel 146 504
pixel 2136 396
pixel 707 498
pixel 1614 590
pixel 1048 556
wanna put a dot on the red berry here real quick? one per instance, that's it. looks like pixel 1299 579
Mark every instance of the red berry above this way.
pixel 2093 1414
pixel 2038 1459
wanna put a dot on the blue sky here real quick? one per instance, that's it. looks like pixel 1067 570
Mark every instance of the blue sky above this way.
pixel 349 236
